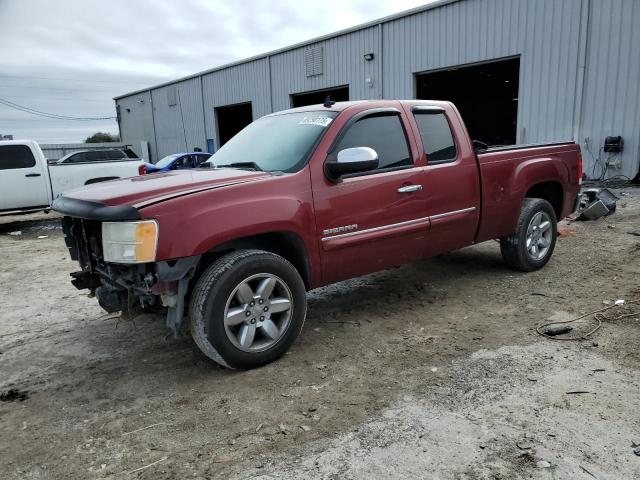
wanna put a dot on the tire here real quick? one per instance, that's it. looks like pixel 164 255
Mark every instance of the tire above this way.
pixel 265 329
pixel 516 251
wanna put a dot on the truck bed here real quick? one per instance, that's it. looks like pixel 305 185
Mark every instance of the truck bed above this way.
pixel 504 181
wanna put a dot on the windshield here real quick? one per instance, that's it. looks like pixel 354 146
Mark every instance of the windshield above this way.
pixel 166 161
pixel 274 143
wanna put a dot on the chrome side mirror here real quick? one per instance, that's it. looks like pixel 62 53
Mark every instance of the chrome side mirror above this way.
pixel 351 160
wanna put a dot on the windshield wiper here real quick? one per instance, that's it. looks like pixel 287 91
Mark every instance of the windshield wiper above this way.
pixel 243 165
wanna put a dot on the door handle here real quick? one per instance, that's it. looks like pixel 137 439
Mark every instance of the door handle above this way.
pixel 410 188
pixel 32 175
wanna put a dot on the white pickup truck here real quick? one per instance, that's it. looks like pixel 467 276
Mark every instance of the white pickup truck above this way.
pixel 27 183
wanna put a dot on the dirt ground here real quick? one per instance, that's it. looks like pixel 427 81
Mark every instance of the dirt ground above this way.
pixel 432 370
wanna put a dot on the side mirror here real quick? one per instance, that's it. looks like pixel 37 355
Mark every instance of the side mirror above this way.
pixel 351 160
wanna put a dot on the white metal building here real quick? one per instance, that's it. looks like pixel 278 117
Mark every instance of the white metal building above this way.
pixel 521 71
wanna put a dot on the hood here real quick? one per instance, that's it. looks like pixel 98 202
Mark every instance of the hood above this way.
pixel 144 190
pixel 150 167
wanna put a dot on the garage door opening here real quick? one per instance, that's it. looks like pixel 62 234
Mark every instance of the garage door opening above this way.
pixel 338 94
pixel 485 94
pixel 232 119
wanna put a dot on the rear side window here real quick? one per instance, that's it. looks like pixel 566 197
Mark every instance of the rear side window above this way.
pixel 16 156
pixel 115 155
pixel 97 156
pixel 436 137
pixel 77 158
pixel 385 135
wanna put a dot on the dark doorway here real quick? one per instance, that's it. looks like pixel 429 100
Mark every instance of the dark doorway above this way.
pixel 338 94
pixel 486 95
pixel 232 119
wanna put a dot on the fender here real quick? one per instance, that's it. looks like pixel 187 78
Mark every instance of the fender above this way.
pixel 187 224
pixel 506 182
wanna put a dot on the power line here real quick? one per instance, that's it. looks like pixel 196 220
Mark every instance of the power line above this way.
pixel 32 111
pixel 85 88
pixel 55 116
pixel 73 79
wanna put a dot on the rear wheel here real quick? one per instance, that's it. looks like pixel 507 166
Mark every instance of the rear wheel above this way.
pixel 247 309
pixel 531 247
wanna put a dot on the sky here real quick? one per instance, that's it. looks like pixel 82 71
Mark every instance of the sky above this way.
pixel 71 57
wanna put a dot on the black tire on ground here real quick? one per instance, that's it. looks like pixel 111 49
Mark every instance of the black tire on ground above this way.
pixel 514 248
pixel 209 301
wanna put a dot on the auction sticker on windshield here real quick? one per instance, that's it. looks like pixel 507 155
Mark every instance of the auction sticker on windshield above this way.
pixel 319 120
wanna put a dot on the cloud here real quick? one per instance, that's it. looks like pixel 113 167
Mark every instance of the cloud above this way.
pixel 73 57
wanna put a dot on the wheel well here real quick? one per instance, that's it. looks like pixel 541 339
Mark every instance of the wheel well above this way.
pixel 286 244
pixel 99 179
pixel 551 192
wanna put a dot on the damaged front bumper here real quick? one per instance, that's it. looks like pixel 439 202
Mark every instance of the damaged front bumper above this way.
pixel 128 288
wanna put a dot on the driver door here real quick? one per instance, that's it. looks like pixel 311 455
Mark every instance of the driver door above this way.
pixel 23 181
pixel 376 219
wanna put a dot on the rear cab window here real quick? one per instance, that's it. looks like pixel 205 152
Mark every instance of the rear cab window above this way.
pixel 16 156
pixel 437 138
pixel 383 133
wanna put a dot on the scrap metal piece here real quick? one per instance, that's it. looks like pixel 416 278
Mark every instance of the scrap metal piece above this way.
pixel 595 210
pixel 596 203
pixel 608 198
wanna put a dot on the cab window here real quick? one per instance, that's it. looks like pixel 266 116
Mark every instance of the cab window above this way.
pixel 437 138
pixel 383 133
pixel 16 156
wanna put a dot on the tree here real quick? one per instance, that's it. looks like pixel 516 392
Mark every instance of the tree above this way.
pixel 102 137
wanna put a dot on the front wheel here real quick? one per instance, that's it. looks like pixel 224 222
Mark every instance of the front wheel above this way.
pixel 531 247
pixel 247 309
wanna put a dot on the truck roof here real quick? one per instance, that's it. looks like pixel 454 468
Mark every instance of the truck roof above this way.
pixel 340 106
pixel 18 142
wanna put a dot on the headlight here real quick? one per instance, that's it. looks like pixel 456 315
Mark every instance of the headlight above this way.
pixel 130 242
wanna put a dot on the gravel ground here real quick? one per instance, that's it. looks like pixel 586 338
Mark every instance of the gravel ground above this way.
pixel 431 370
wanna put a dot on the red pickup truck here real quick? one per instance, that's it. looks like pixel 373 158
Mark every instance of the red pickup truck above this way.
pixel 304 198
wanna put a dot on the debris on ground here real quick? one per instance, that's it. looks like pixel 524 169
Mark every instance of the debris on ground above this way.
pixel 223 459
pixel 524 444
pixel 594 211
pixel 147 466
pixel 16 233
pixel 565 232
pixel 14 395
pixel 554 330
pixel 598 315
pixel 596 203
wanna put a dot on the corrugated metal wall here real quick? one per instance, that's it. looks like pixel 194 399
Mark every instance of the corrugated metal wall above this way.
pixel 575 82
pixel 179 127
pixel 248 82
pixel 343 65
pixel 611 103
pixel 544 33
pixel 136 123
